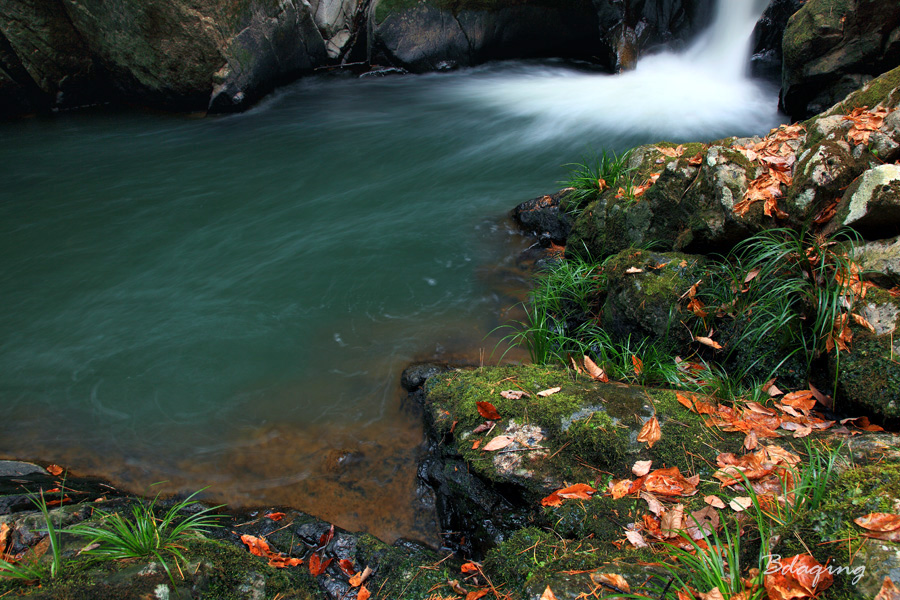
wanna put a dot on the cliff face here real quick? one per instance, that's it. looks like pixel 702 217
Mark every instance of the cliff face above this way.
pixel 220 55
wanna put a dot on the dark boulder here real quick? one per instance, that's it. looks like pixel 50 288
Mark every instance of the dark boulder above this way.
pixel 436 35
pixel 767 39
pixel 543 217
pixel 832 47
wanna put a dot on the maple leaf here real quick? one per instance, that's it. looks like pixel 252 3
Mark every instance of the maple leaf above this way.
pixel 650 433
pixel 671 152
pixel 487 410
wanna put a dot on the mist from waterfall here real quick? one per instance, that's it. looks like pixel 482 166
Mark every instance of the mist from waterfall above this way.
pixel 689 95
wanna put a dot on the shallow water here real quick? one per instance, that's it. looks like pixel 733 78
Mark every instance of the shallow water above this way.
pixel 229 301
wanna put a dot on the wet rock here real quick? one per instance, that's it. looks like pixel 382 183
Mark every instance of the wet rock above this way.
pixel 51 54
pixel 421 36
pixel 15 468
pixel 543 217
pixel 767 39
pixel 833 47
pixel 415 376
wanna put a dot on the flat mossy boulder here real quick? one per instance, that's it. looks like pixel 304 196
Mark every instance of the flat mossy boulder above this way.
pixel 832 47
pixel 585 432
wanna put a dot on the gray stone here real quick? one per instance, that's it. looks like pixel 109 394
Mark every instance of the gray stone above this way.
pixel 872 204
pixel 879 261
pixel 14 468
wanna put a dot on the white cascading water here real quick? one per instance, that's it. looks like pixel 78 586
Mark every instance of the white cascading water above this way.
pixel 702 92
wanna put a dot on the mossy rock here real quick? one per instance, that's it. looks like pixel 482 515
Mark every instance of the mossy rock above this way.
pixel 643 295
pixel 658 216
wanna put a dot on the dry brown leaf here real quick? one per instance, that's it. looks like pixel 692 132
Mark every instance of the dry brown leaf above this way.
pixel 714 501
pixel 594 371
pixel 477 594
pixel 862 322
pixel 650 432
pixel 579 491
pixel 501 441
pixel 548 594
pixel 740 503
pixel 487 410
pixel 641 467
pixel 549 392
pixel 696 160
pixel 360 578
pixel 636 539
pixel 653 503
pixel 633 270
pixel 347 567
pixel 751 441
pixel 611 579
pixel 672 521
pixel 552 500
pixel 888 590
pixel 620 488
pixel 708 342
pixel 513 394
pixel 55 470
pixel 879 521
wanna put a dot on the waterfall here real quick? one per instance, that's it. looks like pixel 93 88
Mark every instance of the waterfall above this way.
pixel 725 45
pixel 681 96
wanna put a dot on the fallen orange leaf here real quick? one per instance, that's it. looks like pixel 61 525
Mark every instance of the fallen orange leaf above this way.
pixel 579 491
pixel 594 371
pixel 347 567
pixel 501 441
pixel 469 568
pixel 275 516
pixel 548 594
pixel 487 410
pixel 879 522
pixel 650 432
pixel 363 594
pixel 888 590
pixel 55 470
pixel 476 594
